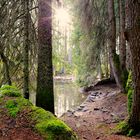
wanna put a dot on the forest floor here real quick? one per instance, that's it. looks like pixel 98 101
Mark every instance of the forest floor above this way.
pixel 19 128
pixel 98 115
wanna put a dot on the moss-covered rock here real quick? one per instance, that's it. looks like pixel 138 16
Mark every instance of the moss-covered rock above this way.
pixel 44 122
pixel 10 91
pixel 16 105
pixel 49 126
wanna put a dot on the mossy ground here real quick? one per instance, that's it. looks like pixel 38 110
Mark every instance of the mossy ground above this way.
pixel 124 129
pixel 44 122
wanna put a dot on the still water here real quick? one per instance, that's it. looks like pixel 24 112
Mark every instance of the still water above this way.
pixel 66 96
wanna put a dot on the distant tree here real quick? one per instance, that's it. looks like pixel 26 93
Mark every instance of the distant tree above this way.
pixel 122 45
pixel 26 48
pixel 6 68
pixel 133 37
pixel 45 96
pixel 114 58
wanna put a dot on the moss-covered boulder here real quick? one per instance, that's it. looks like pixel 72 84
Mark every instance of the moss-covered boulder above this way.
pixel 43 122
pixel 10 91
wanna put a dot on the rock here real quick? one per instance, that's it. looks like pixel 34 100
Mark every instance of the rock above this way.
pixel 69 114
pixel 112 114
pixel 97 138
pixel 105 111
pixel 84 138
pixel 82 105
pixel 85 109
pixel 114 121
pixel 96 109
pixel 94 93
pixel 79 108
pixel 90 98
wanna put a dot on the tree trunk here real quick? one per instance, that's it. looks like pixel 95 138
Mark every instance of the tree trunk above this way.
pixel 122 49
pixel 133 34
pixel 26 49
pixel 122 39
pixel 45 96
pixel 114 60
pixel 7 74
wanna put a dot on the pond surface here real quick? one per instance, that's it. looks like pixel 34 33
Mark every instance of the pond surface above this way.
pixel 66 96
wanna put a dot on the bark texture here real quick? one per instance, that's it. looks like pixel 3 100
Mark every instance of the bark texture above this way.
pixel 26 49
pixel 7 73
pixel 45 96
pixel 114 59
pixel 122 39
pixel 133 34
pixel 122 47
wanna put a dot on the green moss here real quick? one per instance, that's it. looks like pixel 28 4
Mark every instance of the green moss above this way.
pixel 12 107
pixel 131 133
pixel 130 90
pixel 129 84
pixel 45 122
pixel 16 105
pixel 50 127
pixel 39 114
pixel 10 91
pixel 54 129
pixel 130 100
pixel 124 129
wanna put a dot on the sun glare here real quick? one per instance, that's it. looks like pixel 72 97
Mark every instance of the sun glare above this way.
pixel 62 16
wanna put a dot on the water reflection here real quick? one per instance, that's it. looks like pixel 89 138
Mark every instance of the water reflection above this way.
pixel 66 97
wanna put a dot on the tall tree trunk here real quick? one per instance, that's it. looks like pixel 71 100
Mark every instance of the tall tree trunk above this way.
pixel 114 60
pixel 133 37
pixel 26 49
pixel 7 74
pixel 122 30
pixel 122 48
pixel 45 96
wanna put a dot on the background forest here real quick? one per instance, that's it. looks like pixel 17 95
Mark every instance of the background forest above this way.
pixel 89 40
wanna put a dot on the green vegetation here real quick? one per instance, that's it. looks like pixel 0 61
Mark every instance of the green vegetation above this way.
pixel 130 100
pixel 45 123
pixel 10 91
pixel 130 91
pixel 124 129
pixel 49 126
pixel 11 105
pixel 16 105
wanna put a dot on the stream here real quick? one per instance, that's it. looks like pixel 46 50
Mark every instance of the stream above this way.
pixel 66 96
